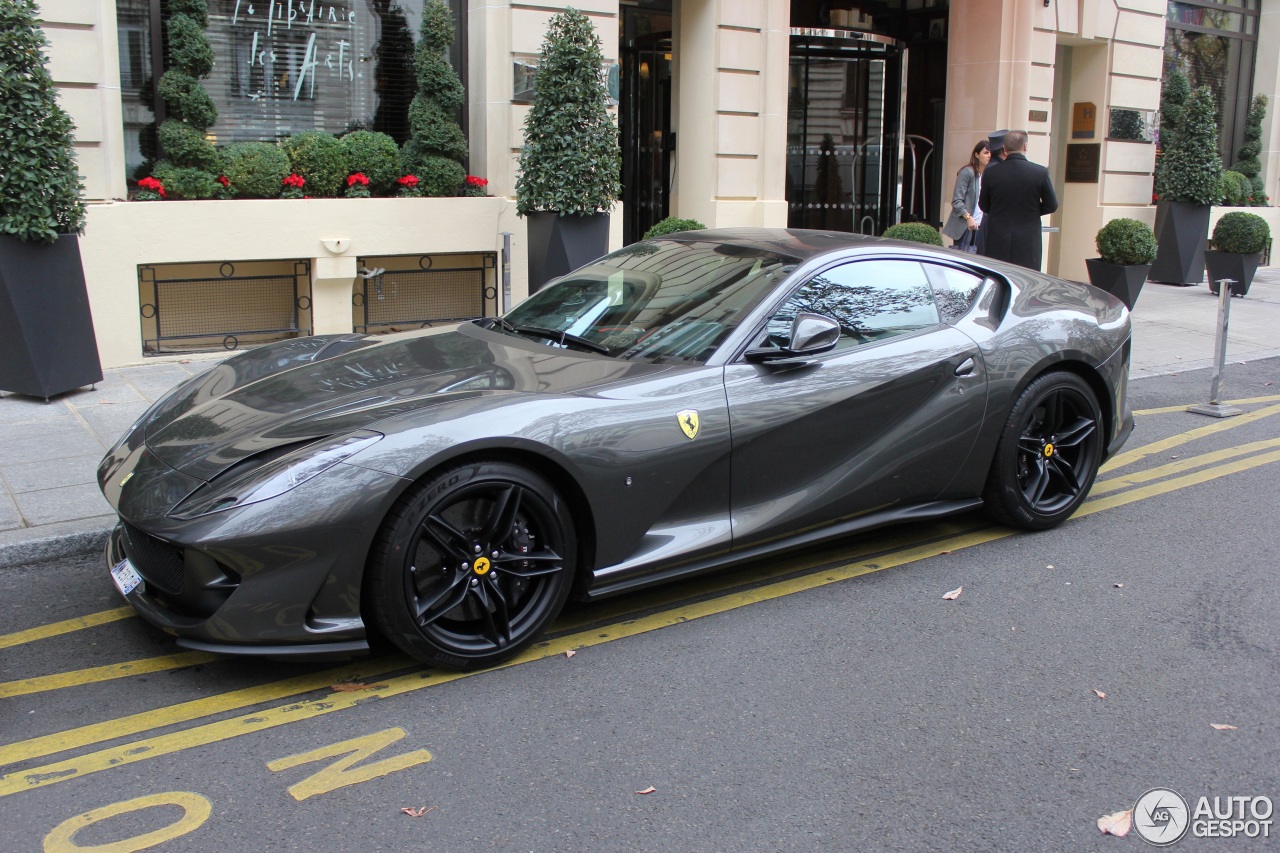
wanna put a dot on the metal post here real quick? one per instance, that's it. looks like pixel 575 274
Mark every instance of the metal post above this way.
pixel 506 272
pixel 1214 407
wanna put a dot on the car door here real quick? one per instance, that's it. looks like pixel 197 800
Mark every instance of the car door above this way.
pixel 884 419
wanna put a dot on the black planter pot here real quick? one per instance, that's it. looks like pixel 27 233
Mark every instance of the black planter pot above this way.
pixel 559 244
pixel 1238 268
pixel 1123 281
pixel 47 345
pixel 1184 227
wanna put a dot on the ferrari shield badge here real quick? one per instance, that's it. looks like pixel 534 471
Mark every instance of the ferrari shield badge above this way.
pixel 688 420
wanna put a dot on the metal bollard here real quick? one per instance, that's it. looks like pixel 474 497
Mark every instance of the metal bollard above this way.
pixel 506 272
pixel 1214 407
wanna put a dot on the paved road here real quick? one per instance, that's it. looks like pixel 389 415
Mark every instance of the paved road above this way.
pixel 832 701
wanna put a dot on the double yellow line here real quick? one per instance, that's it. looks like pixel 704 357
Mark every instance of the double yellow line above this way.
pixel 1106 495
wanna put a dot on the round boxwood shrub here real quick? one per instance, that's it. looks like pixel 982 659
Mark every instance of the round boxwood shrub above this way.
pixel 671 225
pixel 437 176
pixel 1127 242
pixel 186 145
pixel 185 182
pixel 255 169
pixel 320 159
pixel 915 232
pixel 1236 189
pixel 374 155
pixel 1241 233
pixel 187 99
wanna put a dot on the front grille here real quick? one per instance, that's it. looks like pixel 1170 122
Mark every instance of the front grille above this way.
pixel 157 561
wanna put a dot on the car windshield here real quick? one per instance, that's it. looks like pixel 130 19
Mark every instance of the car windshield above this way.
pixel 660 300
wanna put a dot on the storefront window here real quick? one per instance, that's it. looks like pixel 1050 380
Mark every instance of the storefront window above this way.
pixel 285 66
pixel 1214 44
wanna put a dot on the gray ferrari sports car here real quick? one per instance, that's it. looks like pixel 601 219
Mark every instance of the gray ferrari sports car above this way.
pixel 674 407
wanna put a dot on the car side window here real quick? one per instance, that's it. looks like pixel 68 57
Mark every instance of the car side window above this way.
pixel 953 290
pixel 871 300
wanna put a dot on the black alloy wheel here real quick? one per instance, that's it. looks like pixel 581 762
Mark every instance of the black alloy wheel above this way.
pixel 1048 454
pixel 471 565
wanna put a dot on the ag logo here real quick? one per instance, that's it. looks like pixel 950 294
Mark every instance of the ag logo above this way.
pixel 1161 816
pixel 688 420
pixel 482 565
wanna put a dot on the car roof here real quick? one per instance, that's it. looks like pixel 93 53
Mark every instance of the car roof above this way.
pixel 798 243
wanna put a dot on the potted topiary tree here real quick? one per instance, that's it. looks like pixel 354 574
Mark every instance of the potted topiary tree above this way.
pixel 570 161
pixel 47 344
pixel 436 147
pixel 914 232
pixel 1239 239
pixel 1188 182
pixel 1127 248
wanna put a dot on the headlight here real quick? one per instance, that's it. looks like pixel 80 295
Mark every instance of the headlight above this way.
pixel 276 477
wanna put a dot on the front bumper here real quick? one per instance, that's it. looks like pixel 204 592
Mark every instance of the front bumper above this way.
pixel 281 577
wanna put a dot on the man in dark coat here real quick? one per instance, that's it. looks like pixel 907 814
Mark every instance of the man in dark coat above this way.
pixel 1014 197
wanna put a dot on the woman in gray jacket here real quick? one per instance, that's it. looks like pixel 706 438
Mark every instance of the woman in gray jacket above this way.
pixel 966 216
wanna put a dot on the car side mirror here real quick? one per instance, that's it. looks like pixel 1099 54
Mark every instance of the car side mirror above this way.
pixel 811 334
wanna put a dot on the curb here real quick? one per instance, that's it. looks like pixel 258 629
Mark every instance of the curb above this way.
pixel 52 541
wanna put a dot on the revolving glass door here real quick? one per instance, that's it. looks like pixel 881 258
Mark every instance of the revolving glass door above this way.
pixel 844 131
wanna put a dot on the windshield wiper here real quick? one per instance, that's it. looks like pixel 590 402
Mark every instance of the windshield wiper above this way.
pixel 564 339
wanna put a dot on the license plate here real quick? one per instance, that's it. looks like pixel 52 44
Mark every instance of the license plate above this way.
pixel 126 577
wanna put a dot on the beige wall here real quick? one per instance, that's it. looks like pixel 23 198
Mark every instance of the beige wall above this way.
pixel 329 233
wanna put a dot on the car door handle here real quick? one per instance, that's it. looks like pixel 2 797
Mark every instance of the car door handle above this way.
pixel 965 368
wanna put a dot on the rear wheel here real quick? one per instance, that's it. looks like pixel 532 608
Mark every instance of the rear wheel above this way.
pixel 471 565
pixel 1048 454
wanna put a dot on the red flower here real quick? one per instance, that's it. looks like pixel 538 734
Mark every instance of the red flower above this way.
pixel 477 181
pixel 222 179
pixel 408 181
pixel 152 184
pixel 294 180
pixel 357 178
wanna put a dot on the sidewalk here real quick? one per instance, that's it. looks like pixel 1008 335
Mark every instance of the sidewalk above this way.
pixel 49 452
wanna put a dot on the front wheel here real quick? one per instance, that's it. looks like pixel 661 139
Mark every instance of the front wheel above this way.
pixel 1048 454
pixel 471 565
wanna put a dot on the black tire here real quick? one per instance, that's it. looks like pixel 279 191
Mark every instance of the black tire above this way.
pixel 1048 454
pixel 471 565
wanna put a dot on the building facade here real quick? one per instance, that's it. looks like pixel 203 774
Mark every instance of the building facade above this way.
pixel 802 113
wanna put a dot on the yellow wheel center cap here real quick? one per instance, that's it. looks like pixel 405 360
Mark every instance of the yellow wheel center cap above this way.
pixel 1048 450
pixel 482 565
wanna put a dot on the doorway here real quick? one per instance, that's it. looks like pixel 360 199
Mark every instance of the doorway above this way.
pixel 648 142
pixel 844 131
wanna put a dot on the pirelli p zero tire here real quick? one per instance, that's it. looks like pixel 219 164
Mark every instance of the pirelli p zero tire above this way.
pixel 1048 454
pixel 471 565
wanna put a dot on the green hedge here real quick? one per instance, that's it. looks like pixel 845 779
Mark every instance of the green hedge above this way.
pixel 1241 233
pixel 255 169
pixel 1127 242
pixel 915 232
pixel 320 159
pixel 671 225
pixel 374 155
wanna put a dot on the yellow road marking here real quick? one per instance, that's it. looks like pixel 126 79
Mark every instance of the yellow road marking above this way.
pixel 1097 505
pixel 1124 481
pixel 1166 409
pixel 183 712
pixel 209 733
pixel 65 627
pixel 1131 456
pixel 97 674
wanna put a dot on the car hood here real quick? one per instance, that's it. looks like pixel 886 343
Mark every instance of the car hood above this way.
pixel 233 411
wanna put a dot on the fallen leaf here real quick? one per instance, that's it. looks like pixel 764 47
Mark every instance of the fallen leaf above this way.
pixel 648 790
pixel 944 552
pixel 352 686
pixel 417 812
pixel 1099 693
pixel 1116 824
pixel 954 594
pixel 570 653
pixel 1223 727
pixel 1118 585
